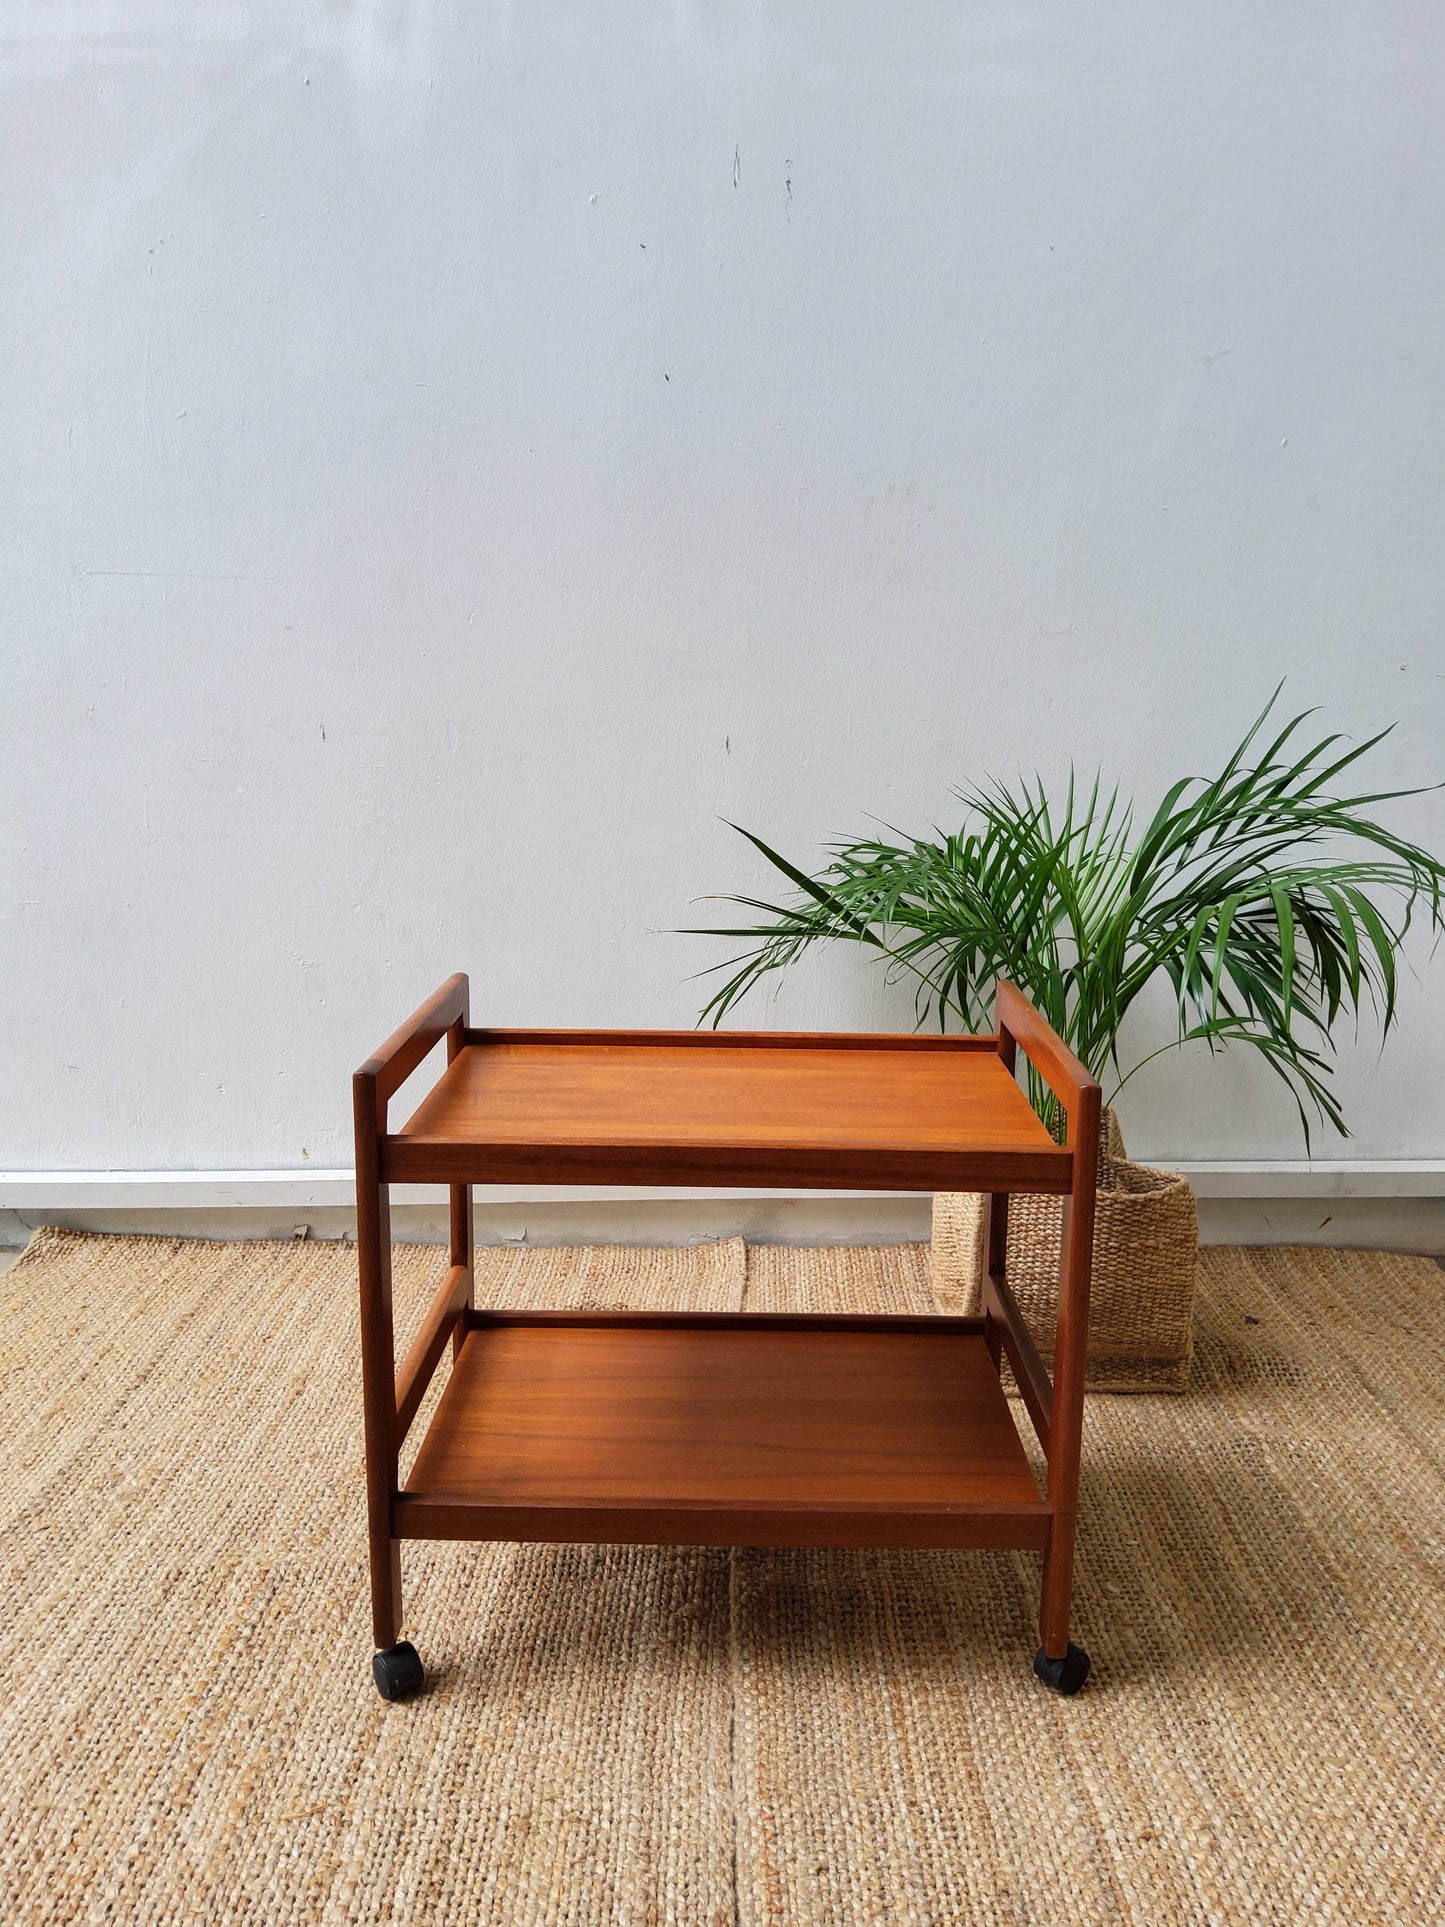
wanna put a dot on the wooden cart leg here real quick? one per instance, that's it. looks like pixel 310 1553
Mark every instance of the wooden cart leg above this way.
pixel 1065 1437
pixel 995 1264
pixel 995 1226
pixel 373 1249
pixel 396 1668
pixel 1058 1588
pixel 463 1239
pixel 1059 1663
pixel 464 1253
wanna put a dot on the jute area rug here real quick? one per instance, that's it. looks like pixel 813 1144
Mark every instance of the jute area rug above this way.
pixel 188 1730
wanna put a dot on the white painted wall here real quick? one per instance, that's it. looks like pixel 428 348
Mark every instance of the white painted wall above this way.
pixel 455 454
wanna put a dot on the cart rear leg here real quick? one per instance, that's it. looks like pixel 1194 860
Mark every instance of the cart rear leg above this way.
pixel 385 1588
pixel 1058 1662
pixel 396 1667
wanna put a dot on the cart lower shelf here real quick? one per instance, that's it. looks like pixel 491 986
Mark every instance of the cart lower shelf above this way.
pixel 723 1429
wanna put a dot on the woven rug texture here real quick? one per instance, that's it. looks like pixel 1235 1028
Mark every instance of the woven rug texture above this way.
pixel 188 1730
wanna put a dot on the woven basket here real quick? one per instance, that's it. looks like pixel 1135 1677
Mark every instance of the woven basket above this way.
pixel 1146 1256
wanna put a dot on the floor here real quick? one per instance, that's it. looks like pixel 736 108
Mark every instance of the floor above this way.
pixel 744 1738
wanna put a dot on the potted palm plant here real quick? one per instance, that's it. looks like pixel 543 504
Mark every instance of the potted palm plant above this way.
pixel 1273 903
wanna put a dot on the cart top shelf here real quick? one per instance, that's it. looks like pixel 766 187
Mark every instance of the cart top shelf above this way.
pixel 888 1113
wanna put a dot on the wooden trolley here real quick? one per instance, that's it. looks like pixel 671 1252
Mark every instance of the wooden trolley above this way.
pixel 723 1428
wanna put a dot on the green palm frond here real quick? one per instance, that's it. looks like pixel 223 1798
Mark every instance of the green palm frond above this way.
pixel 1273 905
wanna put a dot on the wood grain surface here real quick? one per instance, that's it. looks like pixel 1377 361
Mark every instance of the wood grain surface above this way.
pixel 885 1436
pixel 754 1113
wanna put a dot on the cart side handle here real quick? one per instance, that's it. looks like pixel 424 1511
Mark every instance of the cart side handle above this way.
pixel 1020 1024
pixel 446 1010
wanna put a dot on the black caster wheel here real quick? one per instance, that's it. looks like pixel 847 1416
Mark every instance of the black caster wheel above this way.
pixel 397 1671
pixel 1065 1675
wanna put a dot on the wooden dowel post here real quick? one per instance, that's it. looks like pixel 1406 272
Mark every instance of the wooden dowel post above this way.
pixel 994 1260
pixel 995 1223
pixel 1070 1348
pixel 463 1235
pixel 373 1252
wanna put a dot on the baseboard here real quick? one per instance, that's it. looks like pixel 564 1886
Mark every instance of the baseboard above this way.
pixel 1390 1204
pixel 233 1190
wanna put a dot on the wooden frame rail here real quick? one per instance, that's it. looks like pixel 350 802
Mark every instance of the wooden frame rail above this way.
pixel 738 1039
pixel 450 1304
pixel 1008 1332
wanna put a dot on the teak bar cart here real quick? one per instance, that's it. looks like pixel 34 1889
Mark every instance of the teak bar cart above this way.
pixel 723 1428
